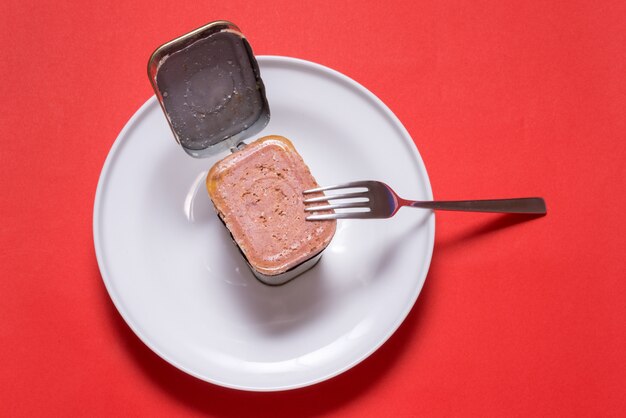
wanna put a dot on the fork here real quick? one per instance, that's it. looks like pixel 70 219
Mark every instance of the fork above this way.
pixel 380 201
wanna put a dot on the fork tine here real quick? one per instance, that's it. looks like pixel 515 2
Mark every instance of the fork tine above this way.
pixel 349 185
pixel 338 206
pixel 343 215
pixel 336 196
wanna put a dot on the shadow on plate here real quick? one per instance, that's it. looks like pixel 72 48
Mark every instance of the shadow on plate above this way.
pixel 388 254
pixel 272 309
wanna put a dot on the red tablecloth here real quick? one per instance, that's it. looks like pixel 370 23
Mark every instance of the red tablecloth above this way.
pixel 517 318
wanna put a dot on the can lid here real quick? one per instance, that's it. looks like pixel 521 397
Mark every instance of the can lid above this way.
pixel 209 86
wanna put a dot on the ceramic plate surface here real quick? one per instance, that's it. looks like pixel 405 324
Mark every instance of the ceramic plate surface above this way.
pixel 174 274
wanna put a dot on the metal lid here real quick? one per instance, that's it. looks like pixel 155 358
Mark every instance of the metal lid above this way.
pixel 209 86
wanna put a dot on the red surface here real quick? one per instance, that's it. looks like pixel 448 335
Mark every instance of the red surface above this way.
pixel 517 318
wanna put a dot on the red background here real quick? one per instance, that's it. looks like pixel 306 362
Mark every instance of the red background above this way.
pixel 516 318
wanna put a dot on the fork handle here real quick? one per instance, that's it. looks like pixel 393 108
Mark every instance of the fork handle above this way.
pixel 531 205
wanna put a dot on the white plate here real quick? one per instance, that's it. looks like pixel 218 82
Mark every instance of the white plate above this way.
pixel 182 286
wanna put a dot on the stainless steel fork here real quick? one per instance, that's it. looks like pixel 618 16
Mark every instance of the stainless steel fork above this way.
pixel 378 200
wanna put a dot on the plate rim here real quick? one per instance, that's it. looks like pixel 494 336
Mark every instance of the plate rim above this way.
pixel 104 174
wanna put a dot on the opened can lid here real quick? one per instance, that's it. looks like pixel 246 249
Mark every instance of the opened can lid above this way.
pixel 209 86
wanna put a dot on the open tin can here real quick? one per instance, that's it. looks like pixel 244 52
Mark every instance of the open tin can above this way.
pixel 209 87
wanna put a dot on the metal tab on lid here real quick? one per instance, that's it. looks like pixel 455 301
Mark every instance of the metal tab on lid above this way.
pixel 209 86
